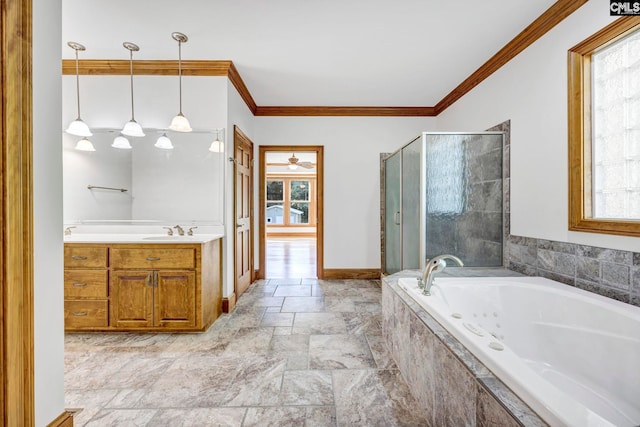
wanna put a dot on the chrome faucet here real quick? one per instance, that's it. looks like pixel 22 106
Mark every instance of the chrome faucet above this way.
pixel 190 232
pixel 169 231
pixel 67 231
pixel 180 230
pixel 435 265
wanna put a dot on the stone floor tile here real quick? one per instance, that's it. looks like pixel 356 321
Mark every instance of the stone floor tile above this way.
pixel 307 388
pixel 198 417
pixel 283 416
pixel 121 418
pixel 319 323
pixel 303 304
pixel 375 398
pixel 293 291
pixel 339 352
pixel 314 360
pixel 277 319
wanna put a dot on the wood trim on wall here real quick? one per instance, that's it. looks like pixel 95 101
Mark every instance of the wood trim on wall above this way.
pixel 319 150
pixel 579 126
pixel 539 27
pixel 228 303
pixel 119 67
pixel 63 420
pixel 543 24
pixel 345 111
pixel 351 273
pixel 16 226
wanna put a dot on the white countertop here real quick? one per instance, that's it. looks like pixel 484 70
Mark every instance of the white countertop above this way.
pixel 139 238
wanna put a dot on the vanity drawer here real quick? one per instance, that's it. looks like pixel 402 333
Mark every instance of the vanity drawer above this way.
pixel 85 284
pixel 153 258
pixel 85 257
pixel 86 314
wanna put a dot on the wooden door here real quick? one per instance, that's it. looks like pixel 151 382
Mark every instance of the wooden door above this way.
pixel 131 299
pixel 175 299
pixel 243 183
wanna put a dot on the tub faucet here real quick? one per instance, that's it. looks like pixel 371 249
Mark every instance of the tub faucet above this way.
pixel 436 265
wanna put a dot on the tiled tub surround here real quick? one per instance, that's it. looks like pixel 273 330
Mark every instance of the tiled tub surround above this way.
pixel 445 378
pixel 608 272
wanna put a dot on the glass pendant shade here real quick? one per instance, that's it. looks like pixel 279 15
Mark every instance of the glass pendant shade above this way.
pixel 293 167
pixel 85 145
pixel 132 128
pixel 78 128
pixel 180 124
pixel 121 142
pixel 164 142
pixel 217 146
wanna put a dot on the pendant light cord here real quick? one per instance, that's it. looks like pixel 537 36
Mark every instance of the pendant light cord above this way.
pixel 131 73
pixel 180 72
pixel 77 84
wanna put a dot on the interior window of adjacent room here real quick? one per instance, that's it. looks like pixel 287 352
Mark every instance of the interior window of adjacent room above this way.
pixel 604 131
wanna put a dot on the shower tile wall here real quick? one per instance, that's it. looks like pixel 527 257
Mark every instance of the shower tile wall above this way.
pixel 476 233
pixel 608 272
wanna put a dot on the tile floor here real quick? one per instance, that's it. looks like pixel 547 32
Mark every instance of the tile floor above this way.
pixel 294 352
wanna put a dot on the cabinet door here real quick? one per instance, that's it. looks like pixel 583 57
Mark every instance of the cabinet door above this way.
pixel 131 299
pixel 175 299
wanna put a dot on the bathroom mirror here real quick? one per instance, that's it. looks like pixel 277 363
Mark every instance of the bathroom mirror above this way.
pixel 144 184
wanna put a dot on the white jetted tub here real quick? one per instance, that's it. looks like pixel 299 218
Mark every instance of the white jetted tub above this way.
pixel 572 356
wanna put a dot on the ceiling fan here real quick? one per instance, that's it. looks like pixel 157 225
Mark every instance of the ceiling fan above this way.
pixel 294 163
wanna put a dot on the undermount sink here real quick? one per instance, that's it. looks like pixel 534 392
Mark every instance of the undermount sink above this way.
pixel 170 238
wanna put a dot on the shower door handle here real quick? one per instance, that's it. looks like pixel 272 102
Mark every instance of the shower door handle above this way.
pixel 396 218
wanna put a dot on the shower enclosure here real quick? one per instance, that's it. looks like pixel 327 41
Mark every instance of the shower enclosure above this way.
pixel 443 193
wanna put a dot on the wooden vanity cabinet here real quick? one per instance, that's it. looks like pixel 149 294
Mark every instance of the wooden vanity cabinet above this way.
pixel 159 287
pixel 86 301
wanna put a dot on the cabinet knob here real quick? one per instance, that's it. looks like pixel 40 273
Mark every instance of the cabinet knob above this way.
pixel 152 258
pixel 79 284
pixel 79 258
pixel 80 313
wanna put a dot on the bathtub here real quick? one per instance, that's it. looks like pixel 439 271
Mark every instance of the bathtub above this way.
pixel 572 356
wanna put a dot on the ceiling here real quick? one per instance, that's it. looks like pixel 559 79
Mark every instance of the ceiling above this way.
pixel 312 53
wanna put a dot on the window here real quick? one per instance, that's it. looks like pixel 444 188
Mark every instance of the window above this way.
pixel 289 201
pixel 604 131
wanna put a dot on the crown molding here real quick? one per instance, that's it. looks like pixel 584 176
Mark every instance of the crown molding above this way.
pixel 345 111
pixel 545 22
pixel 117 67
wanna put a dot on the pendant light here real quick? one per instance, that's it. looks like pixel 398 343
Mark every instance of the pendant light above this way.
pixel 121 142
pixel 131 128
pixel 180 122
pixel 78 127
pixel 217 146
pixel 164 142
pixel 84 145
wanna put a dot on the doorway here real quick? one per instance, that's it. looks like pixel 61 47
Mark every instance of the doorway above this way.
pixel 291 206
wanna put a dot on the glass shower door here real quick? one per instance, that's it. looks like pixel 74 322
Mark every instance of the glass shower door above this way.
pixel 392 224
pixel 412 205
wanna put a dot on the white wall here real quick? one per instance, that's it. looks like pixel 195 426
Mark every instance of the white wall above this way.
pixel 47 214
pixel 352 147
pixel 531 90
